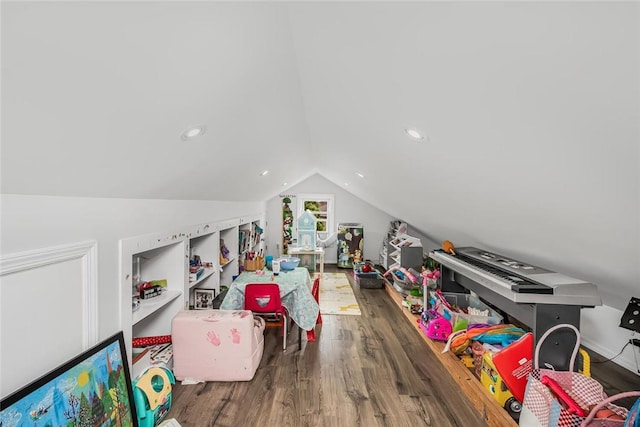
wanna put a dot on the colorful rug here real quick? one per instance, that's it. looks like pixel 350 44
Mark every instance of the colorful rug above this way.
pixel 336 295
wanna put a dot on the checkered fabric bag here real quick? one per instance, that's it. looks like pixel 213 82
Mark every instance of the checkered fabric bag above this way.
pixel 546 405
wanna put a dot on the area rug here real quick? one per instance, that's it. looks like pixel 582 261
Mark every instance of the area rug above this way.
pixel 336 295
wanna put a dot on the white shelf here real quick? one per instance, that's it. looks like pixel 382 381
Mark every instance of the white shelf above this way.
pixel 150 306
pixel 228 262
pixel 400 248
pixel 404 241
pixel 207 272
pixel 166 256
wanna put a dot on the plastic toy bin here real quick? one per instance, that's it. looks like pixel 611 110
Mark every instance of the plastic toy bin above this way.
pixel 464 301
pixel 369 280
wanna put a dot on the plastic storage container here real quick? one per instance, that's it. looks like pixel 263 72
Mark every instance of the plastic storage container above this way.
pixel 459 320
pixel 368 280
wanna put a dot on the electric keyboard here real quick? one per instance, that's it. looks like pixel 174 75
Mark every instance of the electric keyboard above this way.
pixel 538 298
pixel 518 281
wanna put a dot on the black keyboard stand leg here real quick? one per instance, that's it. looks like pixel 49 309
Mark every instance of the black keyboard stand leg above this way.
pixel 557 348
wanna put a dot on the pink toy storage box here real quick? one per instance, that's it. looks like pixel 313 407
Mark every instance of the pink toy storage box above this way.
pixel 216 345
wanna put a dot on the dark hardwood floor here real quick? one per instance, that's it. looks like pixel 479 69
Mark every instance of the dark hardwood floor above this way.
pixel 614 378
pixel 368 370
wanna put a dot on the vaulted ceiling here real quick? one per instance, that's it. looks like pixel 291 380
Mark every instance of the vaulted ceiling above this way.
pixel 530 113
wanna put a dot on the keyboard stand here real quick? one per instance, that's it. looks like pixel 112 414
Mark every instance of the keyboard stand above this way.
pixel 537 316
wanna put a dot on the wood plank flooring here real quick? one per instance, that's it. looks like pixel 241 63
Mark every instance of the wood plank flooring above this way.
pixel 368 370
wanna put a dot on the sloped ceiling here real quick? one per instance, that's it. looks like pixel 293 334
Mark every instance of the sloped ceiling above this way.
pixel 530 112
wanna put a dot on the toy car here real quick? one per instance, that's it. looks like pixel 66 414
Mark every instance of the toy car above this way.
pixel 492 381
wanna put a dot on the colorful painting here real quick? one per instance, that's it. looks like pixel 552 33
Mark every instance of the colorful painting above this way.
pixel 94 389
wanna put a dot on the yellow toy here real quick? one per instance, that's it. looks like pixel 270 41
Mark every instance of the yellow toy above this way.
pixel 152 395
pixel 492 381
pixel 467 360
pixel 585 362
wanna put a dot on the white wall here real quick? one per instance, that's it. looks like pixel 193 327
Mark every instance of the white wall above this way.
pixel 348 208
pixel 34 222
pixel 600 332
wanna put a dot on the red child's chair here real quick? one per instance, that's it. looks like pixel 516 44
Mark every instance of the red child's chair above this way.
pixel 315 291
pixel 263 299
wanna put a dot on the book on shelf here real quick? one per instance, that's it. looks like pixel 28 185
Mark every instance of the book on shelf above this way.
pixel 195 273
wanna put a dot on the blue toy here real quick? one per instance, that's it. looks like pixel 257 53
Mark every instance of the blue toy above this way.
pixel 152 395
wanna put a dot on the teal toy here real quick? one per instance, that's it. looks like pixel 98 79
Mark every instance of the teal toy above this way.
pixel 152 395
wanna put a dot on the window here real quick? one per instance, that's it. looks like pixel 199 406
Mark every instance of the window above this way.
pixel 321 206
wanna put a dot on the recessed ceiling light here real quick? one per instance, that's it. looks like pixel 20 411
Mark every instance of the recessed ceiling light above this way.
pixel 193 132
pixel 284 184
pixel 346 184
pixel 414 134
pixel 359 174
pixel 264 173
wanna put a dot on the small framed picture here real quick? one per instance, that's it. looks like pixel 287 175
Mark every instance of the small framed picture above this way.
pixel 203 298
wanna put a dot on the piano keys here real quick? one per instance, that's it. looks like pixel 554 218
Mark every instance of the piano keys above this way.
pixel 519 281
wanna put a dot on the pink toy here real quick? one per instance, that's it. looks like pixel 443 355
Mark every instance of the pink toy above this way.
pixel 436 327
pixel 216 345
pixel 426 276
pixel 406 273
pixel 563 396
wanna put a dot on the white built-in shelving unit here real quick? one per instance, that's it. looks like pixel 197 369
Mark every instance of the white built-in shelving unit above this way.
pixel 229 232
pixel 166 257
pixel 400 249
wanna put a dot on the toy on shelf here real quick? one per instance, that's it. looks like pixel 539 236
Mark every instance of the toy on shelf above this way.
pixel 503 335
pixel 463 310
pixel 492 381
pixel 448 247
pixel 406 273
pixel 429 282
pixel 434 325
pixel 514 364
pixel 403 280
pixel 224 253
